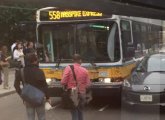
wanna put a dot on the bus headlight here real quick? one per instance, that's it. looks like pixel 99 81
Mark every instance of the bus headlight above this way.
pixel 105 80
pixel 48 81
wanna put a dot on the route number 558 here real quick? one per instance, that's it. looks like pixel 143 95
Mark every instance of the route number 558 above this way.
pixel 54 15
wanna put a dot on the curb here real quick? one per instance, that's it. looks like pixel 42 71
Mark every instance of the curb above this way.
pixel 7 93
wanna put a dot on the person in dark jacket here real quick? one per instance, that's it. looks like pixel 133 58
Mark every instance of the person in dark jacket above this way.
pixel 33 76
pixel 29 50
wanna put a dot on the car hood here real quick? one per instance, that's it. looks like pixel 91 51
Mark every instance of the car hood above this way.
pixel 149 82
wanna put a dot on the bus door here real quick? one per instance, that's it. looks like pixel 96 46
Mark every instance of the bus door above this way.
pixel 127 41
pixel 48 46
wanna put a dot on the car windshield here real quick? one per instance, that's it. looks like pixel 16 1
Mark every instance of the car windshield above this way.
pixel 154 63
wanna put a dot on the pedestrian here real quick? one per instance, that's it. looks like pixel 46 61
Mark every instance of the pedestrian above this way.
pixel 30 48
pixel 83 81
pixel 14 45
pixel 5 65
pixel 35 77
pixel 24 46
pixel 0 69
pixel 18 55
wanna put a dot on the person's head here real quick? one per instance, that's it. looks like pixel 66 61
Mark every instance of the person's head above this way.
pixel 30 45
pixel 77 58
pixel 18 46
pixel 32 58
pixel 4 49
pixel 17 41
pixel 25 43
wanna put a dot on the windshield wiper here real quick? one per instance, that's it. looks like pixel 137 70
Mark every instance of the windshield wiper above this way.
pixel 58 61
pixel 92 63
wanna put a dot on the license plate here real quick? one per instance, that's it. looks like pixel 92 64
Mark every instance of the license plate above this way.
pixel 146 98
pixel 103 74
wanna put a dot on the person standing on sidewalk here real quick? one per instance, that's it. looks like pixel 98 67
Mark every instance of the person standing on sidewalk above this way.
pixel 0 68
pixel 83 81
pixel 14 45
pixel 18 55
pixel 5 65
pixel 35 77
pixel 29 50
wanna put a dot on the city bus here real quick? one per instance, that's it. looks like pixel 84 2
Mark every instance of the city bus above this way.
pixel 110 45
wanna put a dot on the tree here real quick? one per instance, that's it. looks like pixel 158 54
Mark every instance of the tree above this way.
pixel 10 17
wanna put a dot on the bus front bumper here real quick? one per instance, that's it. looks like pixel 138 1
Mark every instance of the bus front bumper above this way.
pixel 97 88
pixel 106 89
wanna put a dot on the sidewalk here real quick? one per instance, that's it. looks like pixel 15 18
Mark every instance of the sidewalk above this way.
pixel 4 92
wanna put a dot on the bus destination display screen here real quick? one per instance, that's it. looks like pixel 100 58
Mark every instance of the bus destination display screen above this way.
pixel 57 15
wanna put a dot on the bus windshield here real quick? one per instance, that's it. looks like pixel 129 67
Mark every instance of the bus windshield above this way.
pixel 94 41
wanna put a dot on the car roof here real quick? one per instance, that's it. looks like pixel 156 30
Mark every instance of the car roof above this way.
pixel 157 55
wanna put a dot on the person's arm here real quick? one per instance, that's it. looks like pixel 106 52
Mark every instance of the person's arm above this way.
pixel 45 85
pixel 17 81
pixel 88 82
pixel 2 63
pixel 88 90
pixel 8 58
pixel 21 54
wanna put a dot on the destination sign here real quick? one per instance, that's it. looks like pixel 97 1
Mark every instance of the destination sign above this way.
pixel 57 15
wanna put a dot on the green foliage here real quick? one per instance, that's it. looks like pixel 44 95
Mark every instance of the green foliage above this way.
pixel 10 17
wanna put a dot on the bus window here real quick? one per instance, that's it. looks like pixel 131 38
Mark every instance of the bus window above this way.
pixel 144 36
pixel 94 42
pixel 92 38
pixel 126 31
pixel 63 37
pixel 126 38
pixel 136 30
pixel 58 42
